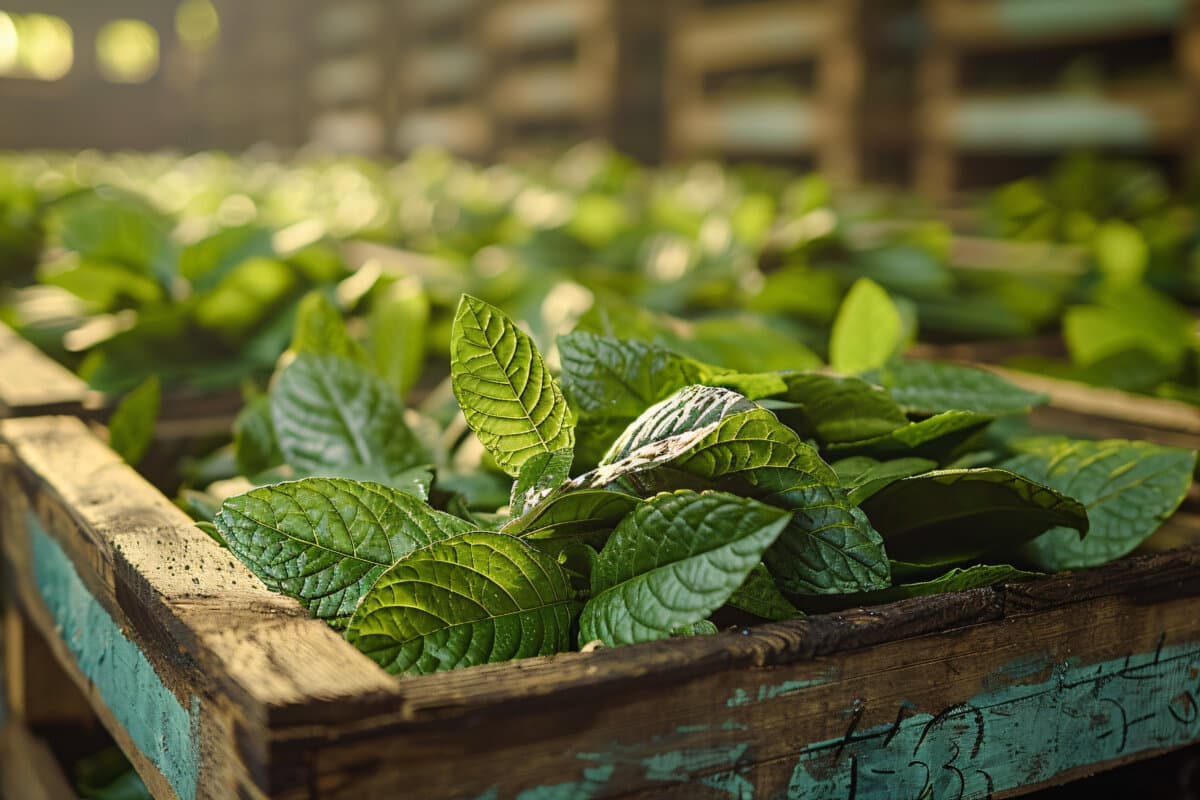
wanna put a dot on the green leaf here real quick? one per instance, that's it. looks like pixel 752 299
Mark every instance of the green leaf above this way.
pixel 759 596
pixel 207 261
pixel 609 382
pixel 321 330
pixel 1128 488
pixel 329 412
pixel 324 541
pixel 1128 318
pixel 676 559
pixel 702 628
pixel 954 516
pixel 254 440
pixel 868 330
pixel 572 514
pixel 539 474
pixel 832 408
pixel 507 395
pixel 940 437
pixel 865 476
pixel 929 387
pixel 688 410
pixel 955 580
pixel 752 385
pixel 1121 252
pixel 828 546
pixel 397 327
pixel 131 426
pixel 475 599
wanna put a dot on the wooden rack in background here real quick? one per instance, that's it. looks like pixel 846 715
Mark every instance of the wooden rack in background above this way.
pixel 441 79
pixel 1144 117
pixel 706 43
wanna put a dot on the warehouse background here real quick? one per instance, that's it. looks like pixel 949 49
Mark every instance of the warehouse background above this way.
pixel 937 94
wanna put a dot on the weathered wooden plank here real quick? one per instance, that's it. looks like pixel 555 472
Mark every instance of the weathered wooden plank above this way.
pixel 756 34
pixel 32 383
pixel 186 658
pixel 780 125
pixel 215 686
pixel 1008 23
pixel 1055 121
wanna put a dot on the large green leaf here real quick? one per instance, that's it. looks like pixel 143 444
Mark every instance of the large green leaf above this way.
pixel 688 410
pixel 324 541
pixel 1129 489
pixel 832 408
pixel 865 476
pixel 475 599
pixel 320 329
pixel 959 515
pixel 929 387
pixel 609 382
pixel 868 330
pixel 673 561
pixel 329 412
pixel 507 395
pixel 940 438
pixel 827 547
pixel 131 426
pixel 759 596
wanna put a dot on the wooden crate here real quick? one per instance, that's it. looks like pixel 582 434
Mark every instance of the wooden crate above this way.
pixel 216 687
pixel 351 76
pixel 704 42
pixel 567 70
pixel 441 83
pixel 958 120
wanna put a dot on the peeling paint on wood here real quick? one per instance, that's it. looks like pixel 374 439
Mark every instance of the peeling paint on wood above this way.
pixel 161 727
pixel 1016 736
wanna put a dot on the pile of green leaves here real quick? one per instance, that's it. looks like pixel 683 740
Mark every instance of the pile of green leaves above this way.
pixel 651 493
pixel 135 300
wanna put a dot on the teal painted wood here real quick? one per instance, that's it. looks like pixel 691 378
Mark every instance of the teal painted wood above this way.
pixel 163 729
pixel 1038 19
pixel 1049 122
pixel 1034 720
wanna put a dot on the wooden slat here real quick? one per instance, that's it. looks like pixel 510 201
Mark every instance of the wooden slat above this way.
pixel 549 91
pixel 753 125
pixel 31 383
pixel 523 24
pixel 460 129
pixel 1014 686
pixel 985 24
pixel 1055 121
pixel 455 67
pixel 756 34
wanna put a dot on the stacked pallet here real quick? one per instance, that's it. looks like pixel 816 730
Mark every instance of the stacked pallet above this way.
pixel 349 84
pixel 441 78
pixel 803 64
pixel 567 70
pixel 1125 66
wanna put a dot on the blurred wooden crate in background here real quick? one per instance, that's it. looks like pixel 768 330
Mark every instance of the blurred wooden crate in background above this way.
pixel 1004 79
pixel 441 79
